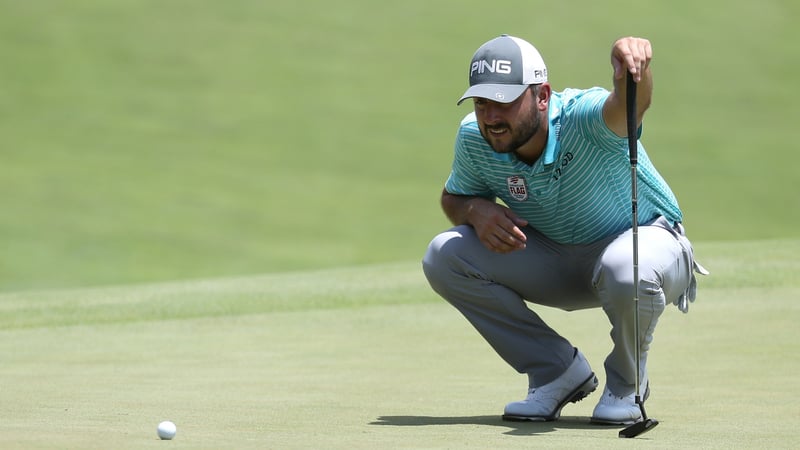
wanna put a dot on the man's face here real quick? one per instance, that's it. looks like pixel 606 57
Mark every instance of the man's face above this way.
pixel 508 126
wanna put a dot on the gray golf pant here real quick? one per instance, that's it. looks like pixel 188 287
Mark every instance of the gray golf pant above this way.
pixel 491 289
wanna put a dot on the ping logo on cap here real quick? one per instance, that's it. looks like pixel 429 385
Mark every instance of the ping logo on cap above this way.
pixel 496 66
pixel 502 68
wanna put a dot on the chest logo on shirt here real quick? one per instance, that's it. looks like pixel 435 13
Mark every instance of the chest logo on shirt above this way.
pixel 517 187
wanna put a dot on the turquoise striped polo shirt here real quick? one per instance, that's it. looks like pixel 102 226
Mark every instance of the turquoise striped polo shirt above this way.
pixel 579 190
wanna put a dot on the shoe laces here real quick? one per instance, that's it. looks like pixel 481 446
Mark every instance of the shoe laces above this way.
pixel 615 396
pixel 609 398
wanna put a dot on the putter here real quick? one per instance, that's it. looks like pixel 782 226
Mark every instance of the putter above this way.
pixel 646 424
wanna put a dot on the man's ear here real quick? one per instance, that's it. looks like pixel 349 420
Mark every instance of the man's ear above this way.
pixel 543 98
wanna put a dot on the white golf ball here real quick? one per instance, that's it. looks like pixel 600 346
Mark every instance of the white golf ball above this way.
pixel 167 430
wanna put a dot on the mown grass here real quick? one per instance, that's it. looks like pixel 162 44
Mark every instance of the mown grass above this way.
pixel 282 161
pixel 151 141
pixel 744 265
pixel 369 357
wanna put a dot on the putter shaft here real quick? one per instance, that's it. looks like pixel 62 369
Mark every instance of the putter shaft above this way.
pixel 645 424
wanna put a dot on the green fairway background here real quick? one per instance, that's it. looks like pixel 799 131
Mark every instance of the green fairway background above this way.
pixel 213 213
pixel 154 140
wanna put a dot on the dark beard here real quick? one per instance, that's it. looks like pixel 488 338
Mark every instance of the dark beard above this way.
pixel 520 135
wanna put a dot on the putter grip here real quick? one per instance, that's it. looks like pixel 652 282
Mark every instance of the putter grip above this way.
pixel 630 109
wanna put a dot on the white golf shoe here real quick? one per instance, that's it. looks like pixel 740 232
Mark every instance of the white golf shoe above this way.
pixel 615 410
pixel 544 403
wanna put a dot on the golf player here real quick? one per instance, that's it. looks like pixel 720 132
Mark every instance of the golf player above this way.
pixel 540 198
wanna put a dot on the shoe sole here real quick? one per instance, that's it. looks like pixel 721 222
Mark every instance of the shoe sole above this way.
pixel 620 423
pixel 581 392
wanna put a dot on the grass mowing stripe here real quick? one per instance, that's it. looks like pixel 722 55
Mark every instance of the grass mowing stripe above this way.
pixel 765 264
pixel 330 288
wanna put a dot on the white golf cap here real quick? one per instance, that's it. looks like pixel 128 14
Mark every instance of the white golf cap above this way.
pixel 503 68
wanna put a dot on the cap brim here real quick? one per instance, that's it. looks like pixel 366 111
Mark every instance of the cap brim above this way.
pixel 501 93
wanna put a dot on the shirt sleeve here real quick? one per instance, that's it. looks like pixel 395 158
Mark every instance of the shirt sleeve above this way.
pixel 465 175
pixel 585 109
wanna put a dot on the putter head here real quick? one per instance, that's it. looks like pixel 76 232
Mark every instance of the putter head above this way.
pixel 638 428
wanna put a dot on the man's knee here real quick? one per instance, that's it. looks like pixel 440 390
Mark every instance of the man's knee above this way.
pixel 437 262
pixel 613 278
pixel 446 260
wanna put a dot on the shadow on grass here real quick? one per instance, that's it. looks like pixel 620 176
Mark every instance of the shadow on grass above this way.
pixel 515 428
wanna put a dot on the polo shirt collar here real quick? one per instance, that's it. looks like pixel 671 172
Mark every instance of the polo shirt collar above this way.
pixel 551 148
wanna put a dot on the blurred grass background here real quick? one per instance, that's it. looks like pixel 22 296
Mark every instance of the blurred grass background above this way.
pixel 180 146
pixel 159 140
